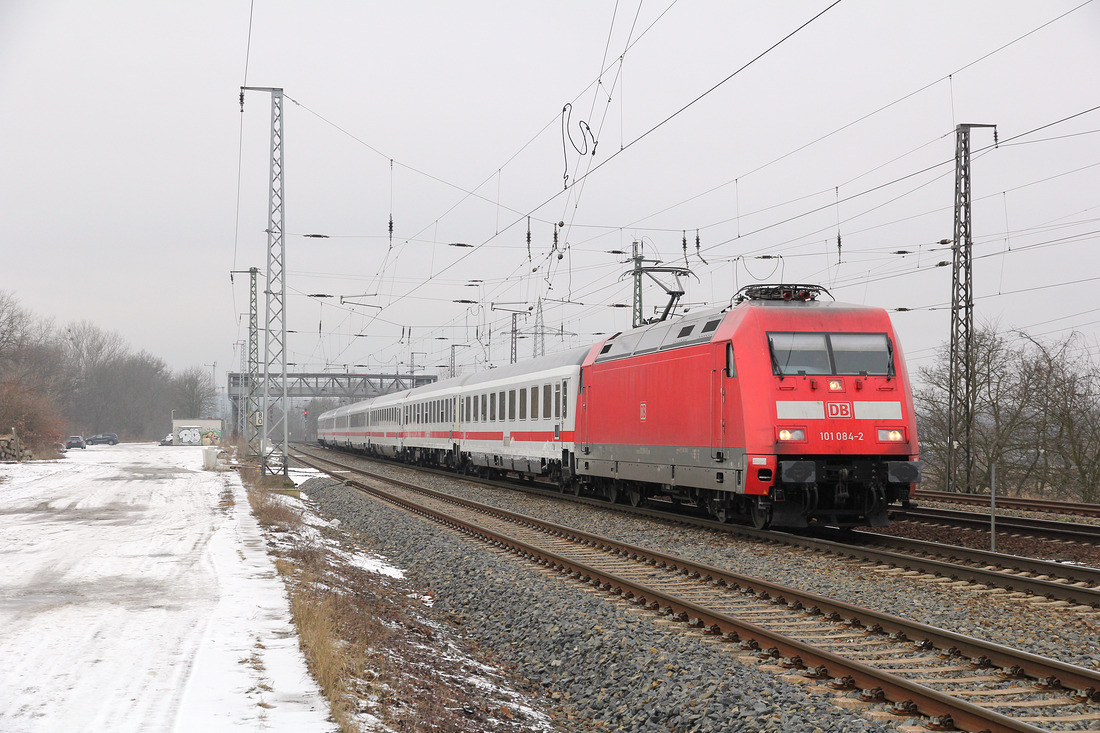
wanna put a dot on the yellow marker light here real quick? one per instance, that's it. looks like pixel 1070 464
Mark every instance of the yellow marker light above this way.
pixel 835 385
pixel 890 436
pixel 792 434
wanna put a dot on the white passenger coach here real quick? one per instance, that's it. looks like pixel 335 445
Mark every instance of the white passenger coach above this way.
pixel 517 418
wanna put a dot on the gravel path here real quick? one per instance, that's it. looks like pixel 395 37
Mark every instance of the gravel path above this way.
pixel 612 668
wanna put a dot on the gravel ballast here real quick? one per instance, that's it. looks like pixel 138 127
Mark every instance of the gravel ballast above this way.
pixel 612 668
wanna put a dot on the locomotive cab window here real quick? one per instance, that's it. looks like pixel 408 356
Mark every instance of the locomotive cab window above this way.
pixel 799 353
pixel 862 353
pixel 868 354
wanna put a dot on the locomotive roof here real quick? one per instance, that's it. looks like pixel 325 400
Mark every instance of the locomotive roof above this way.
pixel 661 335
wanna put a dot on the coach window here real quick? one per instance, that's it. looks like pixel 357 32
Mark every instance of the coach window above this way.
pixel 500 401
pixel 731 367
pixel 493 407
pixel 557 400
pixel 546 400
pixel 534 403
pixel 523 404
pixel 484 407
pixel 564 398
pixel 511 404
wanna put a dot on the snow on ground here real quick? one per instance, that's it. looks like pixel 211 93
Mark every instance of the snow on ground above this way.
pixel 136 594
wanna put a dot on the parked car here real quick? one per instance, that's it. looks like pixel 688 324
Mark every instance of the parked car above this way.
pixel 75 441
pixel 169 439
pixel 108 438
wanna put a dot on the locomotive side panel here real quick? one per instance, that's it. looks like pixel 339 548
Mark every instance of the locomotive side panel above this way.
pixel 670 418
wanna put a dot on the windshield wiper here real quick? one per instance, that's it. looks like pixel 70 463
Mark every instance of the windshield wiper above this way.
pixel 775 363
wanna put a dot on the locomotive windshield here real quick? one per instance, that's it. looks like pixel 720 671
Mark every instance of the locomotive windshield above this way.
pixel 868 354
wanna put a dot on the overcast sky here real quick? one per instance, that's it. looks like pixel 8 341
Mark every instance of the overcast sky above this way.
pixel 131 184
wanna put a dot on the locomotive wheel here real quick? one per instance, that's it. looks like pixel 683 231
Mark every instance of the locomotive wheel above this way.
pixel 723 513
pixel 635 497
pixel 761 515
pixel 613 492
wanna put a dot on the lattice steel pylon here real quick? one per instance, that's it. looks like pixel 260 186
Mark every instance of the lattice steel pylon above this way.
pixel 540 337
pixel 252 406
pixel 274 446
pixel 962 397
pixel 640 269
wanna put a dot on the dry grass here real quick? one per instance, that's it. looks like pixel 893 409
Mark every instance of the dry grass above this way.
pixel 316 611
pixel 271 511
pixel 335 664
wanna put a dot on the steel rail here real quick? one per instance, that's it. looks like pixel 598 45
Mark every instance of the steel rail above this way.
pixel 1012 502
pixel 1043 588
pixel 930 702
pixel 1046 528
pixel 1067 572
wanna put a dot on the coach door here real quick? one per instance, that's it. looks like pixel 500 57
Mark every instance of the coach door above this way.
pixel 722 369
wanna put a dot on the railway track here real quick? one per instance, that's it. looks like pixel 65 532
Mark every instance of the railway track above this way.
pixel 1008 502
pixel 898 667
pixel 1045 528
pixel 1074 586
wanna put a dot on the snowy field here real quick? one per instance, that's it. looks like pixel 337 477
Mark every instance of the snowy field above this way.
pixel 136 594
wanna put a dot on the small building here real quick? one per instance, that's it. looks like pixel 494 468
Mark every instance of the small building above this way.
pixel 192 431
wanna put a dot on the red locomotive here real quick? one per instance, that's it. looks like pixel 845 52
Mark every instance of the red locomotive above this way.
pixel 781 408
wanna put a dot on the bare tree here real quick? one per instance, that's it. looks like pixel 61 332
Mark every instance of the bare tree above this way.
pixel 31 368
pixel 194 392
pixel 1037 417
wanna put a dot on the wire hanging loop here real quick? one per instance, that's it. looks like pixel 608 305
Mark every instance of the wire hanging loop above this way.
pixel 583 148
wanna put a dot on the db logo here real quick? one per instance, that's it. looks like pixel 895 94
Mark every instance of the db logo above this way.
pixel 838 409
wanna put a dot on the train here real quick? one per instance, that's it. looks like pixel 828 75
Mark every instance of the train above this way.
pixel 784 408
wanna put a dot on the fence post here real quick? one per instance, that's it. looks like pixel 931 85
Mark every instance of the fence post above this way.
pixel 992 508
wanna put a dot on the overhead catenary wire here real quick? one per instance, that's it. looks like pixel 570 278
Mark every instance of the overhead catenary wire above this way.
pixel 710 248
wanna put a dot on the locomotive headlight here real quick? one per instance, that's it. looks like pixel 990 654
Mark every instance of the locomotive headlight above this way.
pixel 890 436
pixel 792 434
pixel 835 385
